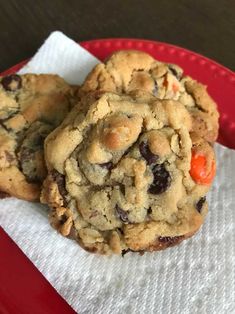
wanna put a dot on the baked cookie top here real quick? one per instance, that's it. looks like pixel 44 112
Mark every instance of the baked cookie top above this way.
pixel 124 174
pixel 128 70
pixel 31 106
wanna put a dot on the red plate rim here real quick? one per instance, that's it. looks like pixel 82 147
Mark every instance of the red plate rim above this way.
pixel 86 44
pixel 220 80
pixel 19 283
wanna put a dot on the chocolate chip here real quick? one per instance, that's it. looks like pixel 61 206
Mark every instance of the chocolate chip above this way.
pixel 161 180
pixel 149 211
pixel 122 188
pixel 11 82
pixel 38 141
pixel 177 74
pixel 155 89
pixel 60 181
pixel 200 204
pixel 173 71
pixel 147 154
pixel 3 194
pixel 170 240
pixel 63 219
pixel 121 231
pixel 3 125
pixel 122 214
pixel 91 249
pixel 108 165
pixel 124 252
pixel 127 151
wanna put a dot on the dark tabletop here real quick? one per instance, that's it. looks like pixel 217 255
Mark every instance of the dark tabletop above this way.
pixel 204 26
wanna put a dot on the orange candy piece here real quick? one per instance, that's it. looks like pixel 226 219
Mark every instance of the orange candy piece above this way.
pixel 198 169
pixel 165 82
pixel 175 88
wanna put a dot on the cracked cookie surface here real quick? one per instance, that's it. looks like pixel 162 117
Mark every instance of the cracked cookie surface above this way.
pixel 119 174
pixel 31 106
pixel 128 71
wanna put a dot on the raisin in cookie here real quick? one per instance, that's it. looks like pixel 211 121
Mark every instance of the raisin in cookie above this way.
pixel 31 106
pixel 127 71
pixel 120 174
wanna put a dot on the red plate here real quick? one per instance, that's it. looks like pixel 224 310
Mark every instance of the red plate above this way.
pixel 23 289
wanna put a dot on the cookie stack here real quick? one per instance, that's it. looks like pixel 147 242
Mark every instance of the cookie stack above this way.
pixel 124 162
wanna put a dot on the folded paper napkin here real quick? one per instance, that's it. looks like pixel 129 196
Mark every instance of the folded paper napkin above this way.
pixel 63 56
pixel 196 277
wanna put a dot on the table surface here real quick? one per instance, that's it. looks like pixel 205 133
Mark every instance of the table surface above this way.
pixel 204 26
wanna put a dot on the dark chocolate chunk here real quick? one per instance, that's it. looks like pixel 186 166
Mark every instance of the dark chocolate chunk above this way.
pixel 91 249
pixel 122 214
pixel 161 180
pixel 28 165
pixel 127 151
pixel 170 240
pixel 200 204
pixel 147 154
pixel 124 252
pixel 108 165
pixel 3 194
pixel 60 181
pixel 177 74
pixel 11 82
pixel 63 219
pixel 149 211
pixel 155 89
pixel 121 231
pixel 122 188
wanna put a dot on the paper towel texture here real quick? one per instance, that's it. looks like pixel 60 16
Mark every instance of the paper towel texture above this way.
pixel 196 277
pixel 63 56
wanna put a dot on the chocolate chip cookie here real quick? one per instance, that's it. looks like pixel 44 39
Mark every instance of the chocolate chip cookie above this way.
pixel 127 71
pixel 31 106
pixel 124 174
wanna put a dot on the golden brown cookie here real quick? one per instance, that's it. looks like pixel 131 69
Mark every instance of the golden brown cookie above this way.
pixel 129 70
pixel 31 106
pixel 121 174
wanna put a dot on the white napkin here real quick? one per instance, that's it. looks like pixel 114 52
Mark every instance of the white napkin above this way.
pixel 63 56
pixel 196 277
